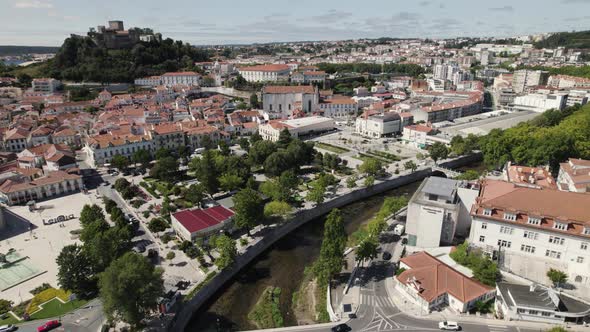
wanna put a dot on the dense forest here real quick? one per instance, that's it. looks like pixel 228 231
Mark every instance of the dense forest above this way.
pixel 79 59
pixel 361 67
pixel 549 139
pixel 579 39
pixel 22 50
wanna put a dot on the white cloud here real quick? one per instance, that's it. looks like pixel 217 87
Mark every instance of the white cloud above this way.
pixel 35 4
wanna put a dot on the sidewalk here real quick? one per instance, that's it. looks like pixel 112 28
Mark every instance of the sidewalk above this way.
pixel 409 308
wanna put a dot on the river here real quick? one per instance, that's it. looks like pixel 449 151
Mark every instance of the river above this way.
pixel 280 266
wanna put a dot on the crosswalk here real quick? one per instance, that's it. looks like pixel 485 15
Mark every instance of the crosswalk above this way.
pixel 370 299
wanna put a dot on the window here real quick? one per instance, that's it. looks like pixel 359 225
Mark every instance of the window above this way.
pixel 509 216
pixel 531 235
pixel 482 238
pixel 553 254
pixel 560 226
pixel 506 230
pixel 534 220
pixel 584 246
pixel 432 197
pixel 586 230
pixel 487 212
pixel 556 240
pixel 580 259
pixel 520 311
pixel 546 314
pixel 533 312
pixel 504 243
pixel 529 249
pixel 484 225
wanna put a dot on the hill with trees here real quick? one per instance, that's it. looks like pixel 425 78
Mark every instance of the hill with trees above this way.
pixel 361 67
pixel 576 39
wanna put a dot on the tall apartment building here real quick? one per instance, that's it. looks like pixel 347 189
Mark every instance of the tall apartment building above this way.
pixel 439 210
pixel 526 78
pixel 532 229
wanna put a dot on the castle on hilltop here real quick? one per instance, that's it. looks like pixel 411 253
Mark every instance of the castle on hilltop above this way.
pixel 114 36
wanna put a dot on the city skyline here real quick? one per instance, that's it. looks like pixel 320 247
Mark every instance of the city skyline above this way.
pixel 234 22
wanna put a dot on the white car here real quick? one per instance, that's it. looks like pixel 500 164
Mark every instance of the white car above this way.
pixel 449 326
pixel 7 328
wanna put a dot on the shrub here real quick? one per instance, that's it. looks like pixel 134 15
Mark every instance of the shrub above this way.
pixel 170 255
pixel 45 296
pixel 41 288
pixel 146 214
pixel 243 242
pixel 166 238
pixel 137 203
pixel 399 271
pixel 5 306
pixel 157 225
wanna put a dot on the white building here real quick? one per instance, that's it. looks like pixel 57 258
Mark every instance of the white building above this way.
pixel 55 183
pixel 149 81
pixel 574 175
pixel 531 230
pixel 100 149
pixel 181 78
pixel 281 101
pixel 266 73
pixel 566 81
pixel 339 107
pixel 438 211
pixel 417 135
pixel 522 79
pixel 45 85
pixel 432 285
pixel 297 127
pixel 378 124
pixel 539 102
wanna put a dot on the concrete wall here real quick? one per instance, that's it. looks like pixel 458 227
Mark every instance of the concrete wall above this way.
pixel 188 309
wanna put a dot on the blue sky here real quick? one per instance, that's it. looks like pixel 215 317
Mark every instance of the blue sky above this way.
pixel 48 22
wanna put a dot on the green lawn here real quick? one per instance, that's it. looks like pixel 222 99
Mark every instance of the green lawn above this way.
pixel 55 308
pixel 330 147
pixel 9 320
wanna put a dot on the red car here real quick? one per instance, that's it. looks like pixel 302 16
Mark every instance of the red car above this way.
pixel 48 326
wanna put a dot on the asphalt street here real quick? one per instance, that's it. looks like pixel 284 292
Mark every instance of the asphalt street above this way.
pixel 88 318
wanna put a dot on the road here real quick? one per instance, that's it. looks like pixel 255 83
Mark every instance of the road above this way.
pixel 88 318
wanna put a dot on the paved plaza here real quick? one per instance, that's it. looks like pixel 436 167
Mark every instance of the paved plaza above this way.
pixel 41 243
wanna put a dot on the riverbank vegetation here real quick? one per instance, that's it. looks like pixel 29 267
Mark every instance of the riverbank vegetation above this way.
pixel 266 313
pixel 378 224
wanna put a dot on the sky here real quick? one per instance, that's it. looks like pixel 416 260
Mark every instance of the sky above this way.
pixel 49 22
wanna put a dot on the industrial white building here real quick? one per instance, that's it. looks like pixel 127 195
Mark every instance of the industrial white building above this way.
pixel 539 102
pixel 297 127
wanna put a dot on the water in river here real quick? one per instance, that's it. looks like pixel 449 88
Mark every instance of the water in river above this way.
pixel 280 266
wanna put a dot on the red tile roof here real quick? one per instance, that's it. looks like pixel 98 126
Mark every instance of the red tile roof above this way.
pixel 280 89
pixel 266 68
pixel 433 278
pixel 198 220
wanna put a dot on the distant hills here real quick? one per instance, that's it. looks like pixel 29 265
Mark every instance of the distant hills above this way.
pixel 20 50
pixel 579 39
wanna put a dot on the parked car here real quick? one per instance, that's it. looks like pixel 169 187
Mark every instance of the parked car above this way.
pixel 449 326
pixel 399 229
pixel 341 328
pixel 386 256
pixel 50 325
pixel 7 328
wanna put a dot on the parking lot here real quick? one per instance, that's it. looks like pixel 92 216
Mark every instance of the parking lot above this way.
pixel 42 243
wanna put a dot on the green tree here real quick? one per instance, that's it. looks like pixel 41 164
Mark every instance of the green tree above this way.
pixel 284 138
pixel 438 151
pixel 249 209
pixel 486 271
pixel 244 143
pixel 277 208
pixel 369 181
pixel 91 213
pixel 468 175
pixel 165 169
pixel 230 181
pixel 332 250
pixel 411 165
pixel 157 225
pixel 366 250
pixel 194 193
pixel 106 246
pixel 277 163
pixel 557 277
pixel 75 270
pixel 227 251
pixel 255 138
pixel 254 101
pixel 371 166
pixel 351 181
pixel 162 153
pixel 91 229
pixel 260 150
pixel 206 171
pixel 142 157
pixel 316 195
pixel 224 148
pixel 130 288
pixel 5 306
